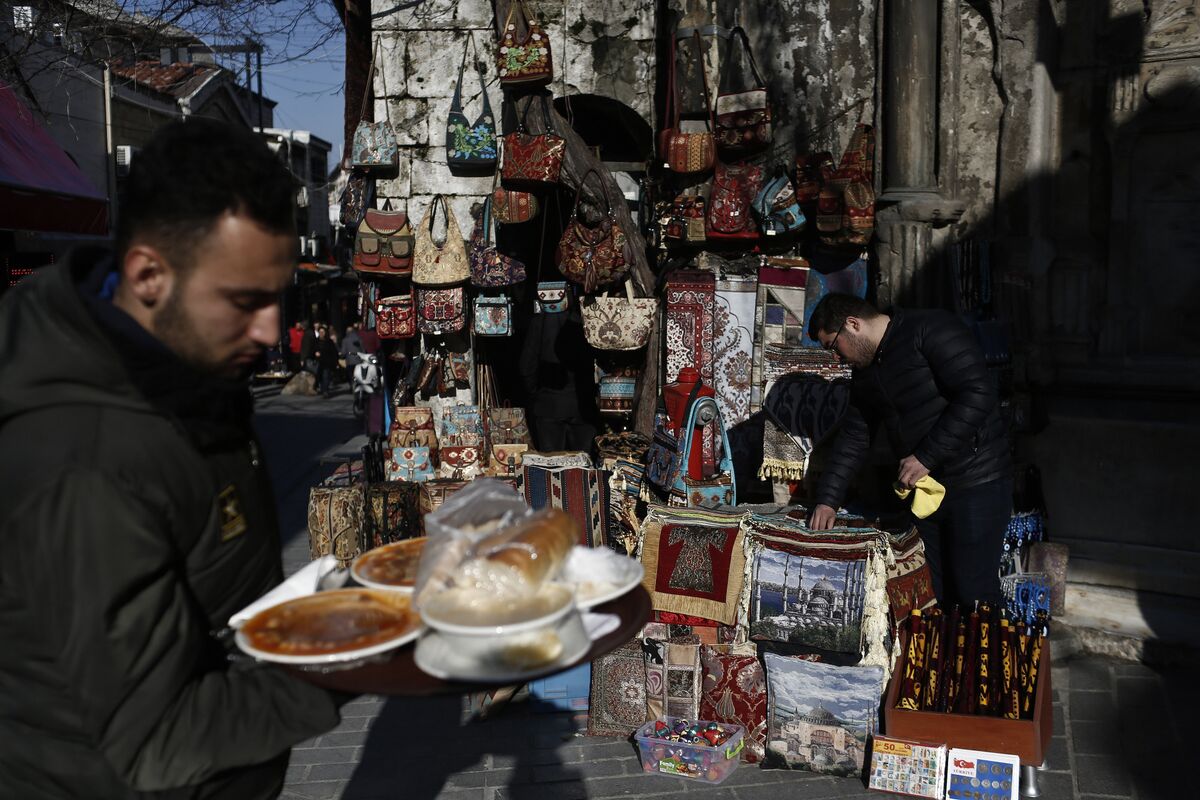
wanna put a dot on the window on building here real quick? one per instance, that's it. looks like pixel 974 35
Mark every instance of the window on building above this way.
pixel 23 18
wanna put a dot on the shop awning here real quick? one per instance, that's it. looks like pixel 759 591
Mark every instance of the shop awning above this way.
pixel 41 188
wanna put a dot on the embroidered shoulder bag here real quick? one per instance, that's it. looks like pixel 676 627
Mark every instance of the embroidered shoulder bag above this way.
pixel 618 323
pixel 510 206
pixel 592 256
pixel 553 297
pixel 383 244
pixel 374 143
pixel 527 62
pixel 489 267
pixel 441 310
pixel 395 317
pixel 533 159
pixel 777 208
pixel 493 315
pixel 730 203
pixel 470 146
pixel 743 117
pixel 687 153
pixel 439 264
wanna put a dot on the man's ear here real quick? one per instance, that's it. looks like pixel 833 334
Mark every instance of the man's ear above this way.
pixel 854 324
pixel 145 276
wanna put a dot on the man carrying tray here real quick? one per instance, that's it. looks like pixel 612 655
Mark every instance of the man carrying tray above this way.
pixel 138 514
pixel 922 374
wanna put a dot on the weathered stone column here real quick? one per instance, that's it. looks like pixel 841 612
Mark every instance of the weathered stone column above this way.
pixel 915 199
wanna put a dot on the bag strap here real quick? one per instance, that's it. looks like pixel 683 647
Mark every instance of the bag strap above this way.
pixel 708 104
pixel 487 220
pixel 369 85
pixel 456 101
pixel 603 189
pixel 671 112
pixel 739 34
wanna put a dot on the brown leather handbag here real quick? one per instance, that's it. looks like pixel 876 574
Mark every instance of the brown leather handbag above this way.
pixel 592 255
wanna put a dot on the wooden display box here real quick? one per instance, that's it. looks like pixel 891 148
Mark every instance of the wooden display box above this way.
pixel 1024 738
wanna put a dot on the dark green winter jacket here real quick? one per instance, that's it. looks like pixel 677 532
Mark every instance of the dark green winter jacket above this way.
pixel 135 518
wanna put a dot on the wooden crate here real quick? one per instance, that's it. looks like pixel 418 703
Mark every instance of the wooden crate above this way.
pixel 1024 738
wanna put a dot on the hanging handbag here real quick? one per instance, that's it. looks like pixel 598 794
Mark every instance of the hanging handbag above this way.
pixel 729 207
pixel 356 198
pixel 618 323
pixel 461 423
pixel 470 146
pixel 663 457
pixel 456 369
pixel 510 206
pixel 810 177
pixel 434 264
pixel 493 316
pixel 533 159
pixel 508 425
pixel 719 490
pixel 383 243
pixel 374 143
pixel 592 255
pixel 692 152
pixel 441 310
pixel 412 426
pixel 396 317
pixel 412 464
pixel 489 267
pixel 528 62
pixel 617 393
pixel 685 219
pixel 743 118
pixel 553 297
pixel 776 207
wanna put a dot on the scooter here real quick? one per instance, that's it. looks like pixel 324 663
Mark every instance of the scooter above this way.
pixel 367 380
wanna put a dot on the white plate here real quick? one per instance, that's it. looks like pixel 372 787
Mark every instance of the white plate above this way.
pixel 356 566
pixel 587 563
pixel 328 658
pixel 560 599
pixel 438 655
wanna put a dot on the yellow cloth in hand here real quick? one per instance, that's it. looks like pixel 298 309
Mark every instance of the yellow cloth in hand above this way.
pixel 927 499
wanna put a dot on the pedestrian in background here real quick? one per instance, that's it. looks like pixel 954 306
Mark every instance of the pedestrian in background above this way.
pixel 137 514
pixel 295 341
pixel 308 349
pixel 327 360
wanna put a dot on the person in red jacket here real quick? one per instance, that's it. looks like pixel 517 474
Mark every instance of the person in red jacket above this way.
pixel 295 340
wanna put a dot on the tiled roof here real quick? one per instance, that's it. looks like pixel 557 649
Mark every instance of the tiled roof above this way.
pixel 176 80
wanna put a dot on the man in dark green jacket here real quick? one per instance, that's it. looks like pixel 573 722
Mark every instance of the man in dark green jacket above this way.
pixel 137 515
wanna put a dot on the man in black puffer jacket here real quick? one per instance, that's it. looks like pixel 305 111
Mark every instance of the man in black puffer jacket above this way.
pixel 137 513
pixel 922 374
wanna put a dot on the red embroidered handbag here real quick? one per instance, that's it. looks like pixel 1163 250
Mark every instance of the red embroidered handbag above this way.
pixel 592 255
pixel 441 310
pixel 743 117
pixel 730 204
pixel 489 267
pixel 533 158
pixel 395 317
pixel 528 62
pixel 510 206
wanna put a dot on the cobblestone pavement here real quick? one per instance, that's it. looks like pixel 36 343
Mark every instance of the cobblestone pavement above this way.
pixel 1118 727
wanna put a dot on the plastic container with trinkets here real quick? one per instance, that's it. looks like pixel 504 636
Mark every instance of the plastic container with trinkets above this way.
pixel 700 750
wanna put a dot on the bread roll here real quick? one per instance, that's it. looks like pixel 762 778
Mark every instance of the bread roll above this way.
pixel 535 548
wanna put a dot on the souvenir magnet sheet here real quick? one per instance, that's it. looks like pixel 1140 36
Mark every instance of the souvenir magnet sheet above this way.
pixel 979 775
pixel 905 767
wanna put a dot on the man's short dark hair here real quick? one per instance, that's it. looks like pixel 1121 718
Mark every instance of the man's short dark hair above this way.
pixel 190 174
pixel 831 313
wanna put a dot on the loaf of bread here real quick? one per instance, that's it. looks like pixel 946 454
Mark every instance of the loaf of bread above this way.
pixel 534 549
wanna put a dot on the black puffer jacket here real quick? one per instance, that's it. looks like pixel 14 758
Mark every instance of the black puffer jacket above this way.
pixel 929 386
pixel 136 517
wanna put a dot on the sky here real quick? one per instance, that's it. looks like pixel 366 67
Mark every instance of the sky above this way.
pixel 771 569
pixel 850 693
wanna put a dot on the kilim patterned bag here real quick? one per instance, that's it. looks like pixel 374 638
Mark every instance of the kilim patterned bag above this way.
pixel 533 159
pixel 461 423
pixel 335 522
pixel 441 310
pixel 592 255
pixel 687 153
pixel 470 146
pixel 412 426
pixel 439 264
pixel 374 143
pixel 510 207
pixel 582 492
pixel 776 207
pixel 527 62
pixel 489 267
pixel 505 458
pixel 553 297
pixel 508 426
pixel 460 462
pixel 617 392
pixel 731 203
pixel 846 205
pixel 493 316
pixel 383 243
pixel 396 317
pixel 618 323
pixel 413 464
pixel 391 513
pixel 743 117
pixel 812 170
